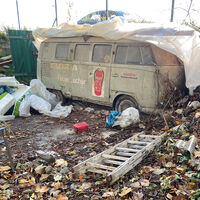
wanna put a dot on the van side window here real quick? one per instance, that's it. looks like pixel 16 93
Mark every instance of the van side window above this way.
pixel 120 57
pixel 62 51
pixel 82 52
pixel 134 56
pixel 128 55
pixel 147 56
pixel 101 53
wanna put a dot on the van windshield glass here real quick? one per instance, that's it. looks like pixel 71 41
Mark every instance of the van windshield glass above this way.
pixel 62 51
pixel 101 53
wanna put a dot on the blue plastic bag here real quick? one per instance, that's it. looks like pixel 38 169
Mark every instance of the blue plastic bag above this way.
pixel 112 118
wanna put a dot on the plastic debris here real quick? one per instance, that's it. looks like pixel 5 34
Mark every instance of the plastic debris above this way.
pixel 188 146
pixel 128 117
pixel 6 102
pixel 80 127
pixel 59 111
pixel 37 87
pixel 39 104
pixel 112 117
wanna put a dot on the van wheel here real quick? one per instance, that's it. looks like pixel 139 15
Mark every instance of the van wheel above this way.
pixel 59 96
pixel 125 102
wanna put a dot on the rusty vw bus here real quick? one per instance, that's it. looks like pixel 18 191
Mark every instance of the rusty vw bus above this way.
pixel 119 73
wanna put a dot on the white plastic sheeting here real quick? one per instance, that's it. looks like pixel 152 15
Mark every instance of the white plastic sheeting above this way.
pixel 182 41
pixel 37 87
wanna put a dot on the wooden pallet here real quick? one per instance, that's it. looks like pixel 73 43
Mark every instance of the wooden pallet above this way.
pixel 118 160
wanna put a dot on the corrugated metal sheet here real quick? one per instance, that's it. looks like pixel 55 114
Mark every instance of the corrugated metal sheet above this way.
pixel 24 54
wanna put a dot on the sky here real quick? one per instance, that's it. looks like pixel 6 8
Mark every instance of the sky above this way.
pixel 41 13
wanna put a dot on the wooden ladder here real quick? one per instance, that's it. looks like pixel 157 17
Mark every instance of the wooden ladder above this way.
pixel 118 160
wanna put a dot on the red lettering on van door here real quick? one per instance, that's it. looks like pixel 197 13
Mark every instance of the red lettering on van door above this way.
pixel 98 81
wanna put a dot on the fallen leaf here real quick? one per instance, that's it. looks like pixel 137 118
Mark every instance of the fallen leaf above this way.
pixel 61 162
pixel 44 177
pixel 4 187
pixel 39 169
pixel 158 171
pixel 138 195
pixel 108 194
pixel 5 168
pixel 197 154
pixel 57 177
pixel 125 191
pixel 3 149
pixel 169 196
pixel 41 190
pixel 197 115
pixel 136 185
pixel 170 164
pixel 61 197
pixel 86 186
pixel 181 169
pixel 56 185
pixel 23 181
pixel 145 183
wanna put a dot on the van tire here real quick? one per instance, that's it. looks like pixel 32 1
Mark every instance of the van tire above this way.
pixel 124 102
pixel 59 96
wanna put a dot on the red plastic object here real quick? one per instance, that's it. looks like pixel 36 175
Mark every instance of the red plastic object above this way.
pixel 80 127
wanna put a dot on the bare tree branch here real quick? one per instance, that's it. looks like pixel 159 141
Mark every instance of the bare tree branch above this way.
pixel 188 11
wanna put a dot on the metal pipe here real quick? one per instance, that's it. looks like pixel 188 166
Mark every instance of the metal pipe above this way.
pixel 56 20
pixel 172 11
pixel 18 13
pixel 7 149
pixel 106 9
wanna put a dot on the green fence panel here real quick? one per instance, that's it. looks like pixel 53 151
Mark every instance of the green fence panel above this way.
pixel 24 54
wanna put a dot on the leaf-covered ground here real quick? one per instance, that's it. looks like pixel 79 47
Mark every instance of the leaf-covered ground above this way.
pixel 166 173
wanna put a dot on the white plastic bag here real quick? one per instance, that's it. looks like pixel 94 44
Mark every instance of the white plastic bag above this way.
pixel 60 111
pixel 24 109
pixel 128 117
pixel 39 104
pixel 37 87
pixel 194 105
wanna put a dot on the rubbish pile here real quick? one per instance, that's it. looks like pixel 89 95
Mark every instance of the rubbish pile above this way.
pixel 128 117
pixel 16 100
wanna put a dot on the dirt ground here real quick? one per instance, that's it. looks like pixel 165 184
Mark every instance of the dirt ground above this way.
pixel 27 136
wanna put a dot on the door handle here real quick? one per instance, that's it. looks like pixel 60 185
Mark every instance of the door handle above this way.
pixel 115 75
